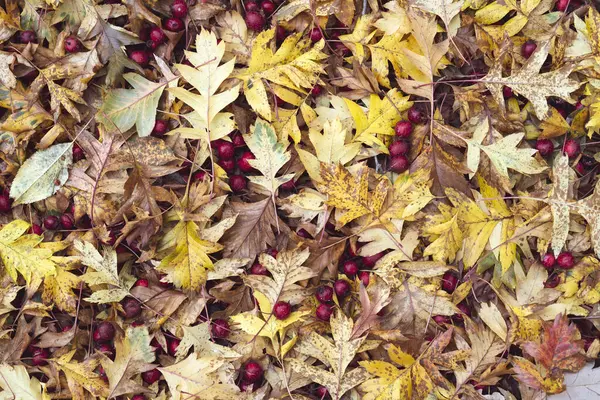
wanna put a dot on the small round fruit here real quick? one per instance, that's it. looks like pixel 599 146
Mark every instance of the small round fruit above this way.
pixel 415 116
pixel 255 21
pixel 403 129
pixel 131 307
pixel 246 386
pixel 528 48
pixel 280 33
pixel 227 165
pixel 157 35
pixel 258 269
pixel 321 392
pixel 315 34
pixel 139 56
pixel 78 153
pixel 107 349
pixel 174 24
pixel 238 183
pixel 267 6
pixel 172 346
pixel 399 164
pixel 324 312
pixel 561 5
pixel 27 37
pixel 104 332
pixel 66 221
pixel 544 146
pixel 548 260
pixel 303 233
pixel 151 376
pixel 4 203
pixel 252 372
pixel 141 282
pixel 350 268
pixel 464 310
pixel 251 6
pixel 39 356
pixel 225 150
pixel 36 229
pixel 272 251
pixel 572 148
pixel 316 91
pixel 341 287
pixel 441 319
pixel 289 185
pixel 399 148
pixel 243 163
pixel 282 310
pixel 449 281
pixel 370 261
pixel 51 222
pixel 179 9
pixel 160 127
pixel 238 140
pixel 364 277
pixel 72 44
pixel 565 260
pixel 220 328
pixel 552 281
pixel 324 294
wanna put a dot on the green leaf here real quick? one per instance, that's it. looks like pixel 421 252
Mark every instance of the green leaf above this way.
pixel 42 174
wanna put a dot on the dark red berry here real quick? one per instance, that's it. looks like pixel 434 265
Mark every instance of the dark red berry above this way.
pixel 160 127
pixel 72 44
pixel 131 308
pixel 138 397
pixel 243 163
pixel 157 35
pixel 246 386
pixel 107 349
pixel 316 90
pixel 341 287
pixel 78 153
pixel 449 281
pixel 227 165
pixel 36 229
pixel 139 56
pixel 401 147
pixel 172 346
pixel 255 21
pixel 464 310
pixel 561 5
pixel 364 277
pixel 544 146
pixel 280 33
pixel 220 328
pixel 4 203
pixel 104 332
pixel 565 260
pixel 507 92
pixel 289 185
pixel 324 294
pixel 403 129
pixel 179 9
pixel 198 176
pixel 174 24
pixel 39 356
pixel 258 269
pixel 548 260
pixel 252 6
pixel 341 49
pixel 581 170
pixel 252 372
pixel 415 115
pixel 66 221
pixel 152 45
pixel 238 183
pixel 588 162
pixel 321 392
pixel 441 319
pixel 67 328
pixel 151 376
pixel 141 282
pixel 282 310
pixel 316 34
pixel 572 148
pixel 238 140
pixel 51 222
pixel 226 150
pixel 399 164
pixel 552 281
pixel 528 48
pixel 324 312
pixel 370 261
pixel 27 37
pixel 350 268
pixel 303 233
pixel 272 252
pixel 267 6
pixel 102 374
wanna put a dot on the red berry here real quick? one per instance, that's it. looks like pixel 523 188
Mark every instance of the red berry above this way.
pixel 316 34
pixel 316 90
pixel 350 268
pixel 227 165
pixel 102 374
pixel 238 183
pixel 246 386
pixel 370 261
pixel 172 346
pixel 243 163
pixel 464 310
pixel 238 140
pixel 131 308
pixel 403 129
pixel 280 33
pixel 580 168
pixel 51 222
pixel 267 6
pixel 67 328
pixel 289 185
pixel 415 115
pixel 174 24
pixel 399 148
pixel 66 221
pixel 572 148
pixel 198 176
pixel 39 356
pixel 4 203
pixel 78 153
pixel 341 287
pixel 141 282
pixel 272 252
pixel 258 269
pixel 552 281
pixel 251 6
pixel 441 319
pixel 548 260
pixel 27 37
pixel 104 332
pixel 449 281
pixel 324 312
pixel 252 372
pixel 72 44
pixel 157 35
pixel 561 5
pixel 579 105
pixel 151 376
pixel 225 150
pixel 507 92
pixel 138 397
pixel 565 260
pixel 282 310
pixel 137 323
pixel 399 164
pixel 179 9
pixel 220 328
pixel 160 127
pixel 36 229
pixel 255 21
pixel 544 146
pixel 139 56
pixel 107 349
pixel 321 392
pixel 528 48
pixel 364 277
pixel 303 234
pixel 341 49
pixel 152 45
pixel 324 294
